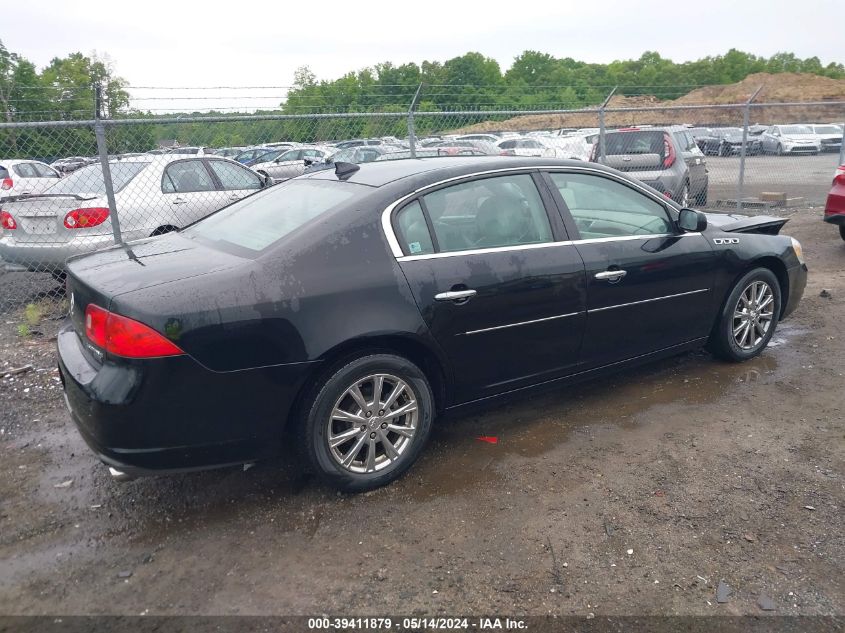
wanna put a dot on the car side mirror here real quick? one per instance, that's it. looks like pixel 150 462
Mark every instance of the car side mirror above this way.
pixel 690 220
pixel 266 180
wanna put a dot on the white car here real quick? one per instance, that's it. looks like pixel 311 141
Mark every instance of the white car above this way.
pixel 154 195
pixel 488 138
pixel 789 139
pixel 293 162
pixel 829 136
pixel 25 176
pixel 546 147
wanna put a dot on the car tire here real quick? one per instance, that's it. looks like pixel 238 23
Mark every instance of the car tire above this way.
pixel 336 427
pixel 842 231
pixel 737 334
pixel 724 151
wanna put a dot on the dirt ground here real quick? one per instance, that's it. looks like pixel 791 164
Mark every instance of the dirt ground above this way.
pixel 637 494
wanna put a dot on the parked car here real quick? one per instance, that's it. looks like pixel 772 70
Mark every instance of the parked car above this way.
pixel 72 163
pixel 484 147
pixel 829 137
pixel 154 195
pixel 665 158
pixel 229 152
pixel 789 139
pixel 358 142
pixel 834 209
pixel 293 162
pixel 362 153
pixel 348 308
pixel 254 153
pixel 25 176
pixel 492 139
pixel 727 141
pixel 552 147
pixel 190 150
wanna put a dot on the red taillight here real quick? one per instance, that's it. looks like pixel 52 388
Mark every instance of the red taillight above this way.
pixel 6 184
pixel 7 221
pixel 122 336
pixel 668 152
pixel 839 176
pixel 85 218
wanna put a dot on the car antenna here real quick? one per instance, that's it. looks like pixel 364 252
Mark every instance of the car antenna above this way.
pixel 345 170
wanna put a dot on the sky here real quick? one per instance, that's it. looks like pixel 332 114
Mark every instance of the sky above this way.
pixel 228 43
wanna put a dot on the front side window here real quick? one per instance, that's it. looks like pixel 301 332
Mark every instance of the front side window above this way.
pixel 186 176
pixel 234 177
pixel 488 213
pixel 414 235
pixel 605 208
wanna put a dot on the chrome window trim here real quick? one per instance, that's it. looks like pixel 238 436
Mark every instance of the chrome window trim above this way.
pixel 633 303
pixel 510 325
pixel 396 249
pixel 524 247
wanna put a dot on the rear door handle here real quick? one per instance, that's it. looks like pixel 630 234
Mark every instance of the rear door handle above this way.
pixel 454 295
pixel 611 275
pixel 179 201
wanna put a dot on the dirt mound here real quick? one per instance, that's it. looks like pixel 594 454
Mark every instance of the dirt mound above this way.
pixel 775 88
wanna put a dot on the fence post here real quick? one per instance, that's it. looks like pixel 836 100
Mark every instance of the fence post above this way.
pixel 102 150
pixel 412 135
pixel 602 146
pixel 745 122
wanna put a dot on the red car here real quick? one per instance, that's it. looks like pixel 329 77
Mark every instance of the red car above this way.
pixel 834 210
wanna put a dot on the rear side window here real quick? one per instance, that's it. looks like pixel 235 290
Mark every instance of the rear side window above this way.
pixel 414 236
pixel 488 213
pixel 44 171
pixel 186 176
pixel 25 170
pixel 4 173
pixel 634 143
pixel 257 222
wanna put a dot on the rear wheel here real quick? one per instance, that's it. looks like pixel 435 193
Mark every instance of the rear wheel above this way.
pixel 164 229
pixel 368 422
pixel 748 318
pixel 684 198
pixel 842 231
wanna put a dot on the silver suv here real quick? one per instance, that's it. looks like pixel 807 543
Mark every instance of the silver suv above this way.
pixel 665 158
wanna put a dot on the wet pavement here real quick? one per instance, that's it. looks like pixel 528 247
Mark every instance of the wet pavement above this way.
pixel 633 494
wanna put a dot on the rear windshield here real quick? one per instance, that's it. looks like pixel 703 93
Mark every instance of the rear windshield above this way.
pixel 90 179
pixel 827 129
pixel 634 143
pixel 259 221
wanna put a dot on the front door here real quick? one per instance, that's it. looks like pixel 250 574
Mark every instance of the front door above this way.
pixel 499 289
pixel 649 287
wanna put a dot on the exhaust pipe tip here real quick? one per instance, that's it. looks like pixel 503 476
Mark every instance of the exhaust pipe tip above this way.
pixel 119 475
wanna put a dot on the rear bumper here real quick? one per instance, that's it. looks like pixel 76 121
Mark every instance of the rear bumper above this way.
pixel 172 414
pixel 48 255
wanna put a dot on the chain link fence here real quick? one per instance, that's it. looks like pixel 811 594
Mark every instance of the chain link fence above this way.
pixel 71 187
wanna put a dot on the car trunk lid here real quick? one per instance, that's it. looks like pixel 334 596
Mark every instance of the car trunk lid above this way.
pixel 40 218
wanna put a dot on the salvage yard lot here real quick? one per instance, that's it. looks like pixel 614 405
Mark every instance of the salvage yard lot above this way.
pixel 636 494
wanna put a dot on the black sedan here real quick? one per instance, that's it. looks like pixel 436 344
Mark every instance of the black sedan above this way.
pixel 728 141
pixel 347 309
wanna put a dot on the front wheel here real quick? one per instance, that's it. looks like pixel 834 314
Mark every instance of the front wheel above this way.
pixel 748 318
pixel 368 422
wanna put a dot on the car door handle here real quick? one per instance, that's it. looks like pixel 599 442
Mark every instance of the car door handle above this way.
pixel 611 275
pixel 179 201
pixel 234 197
pixel 454 295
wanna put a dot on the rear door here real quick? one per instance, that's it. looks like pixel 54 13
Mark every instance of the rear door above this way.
pixel 496 282
pixel 189 193
pixel 649 287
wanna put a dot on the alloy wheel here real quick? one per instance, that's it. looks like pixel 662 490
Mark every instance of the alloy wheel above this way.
pixel 372 423
pixel 753 315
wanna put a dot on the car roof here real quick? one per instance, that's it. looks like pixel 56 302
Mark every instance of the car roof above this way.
pixel 380 173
